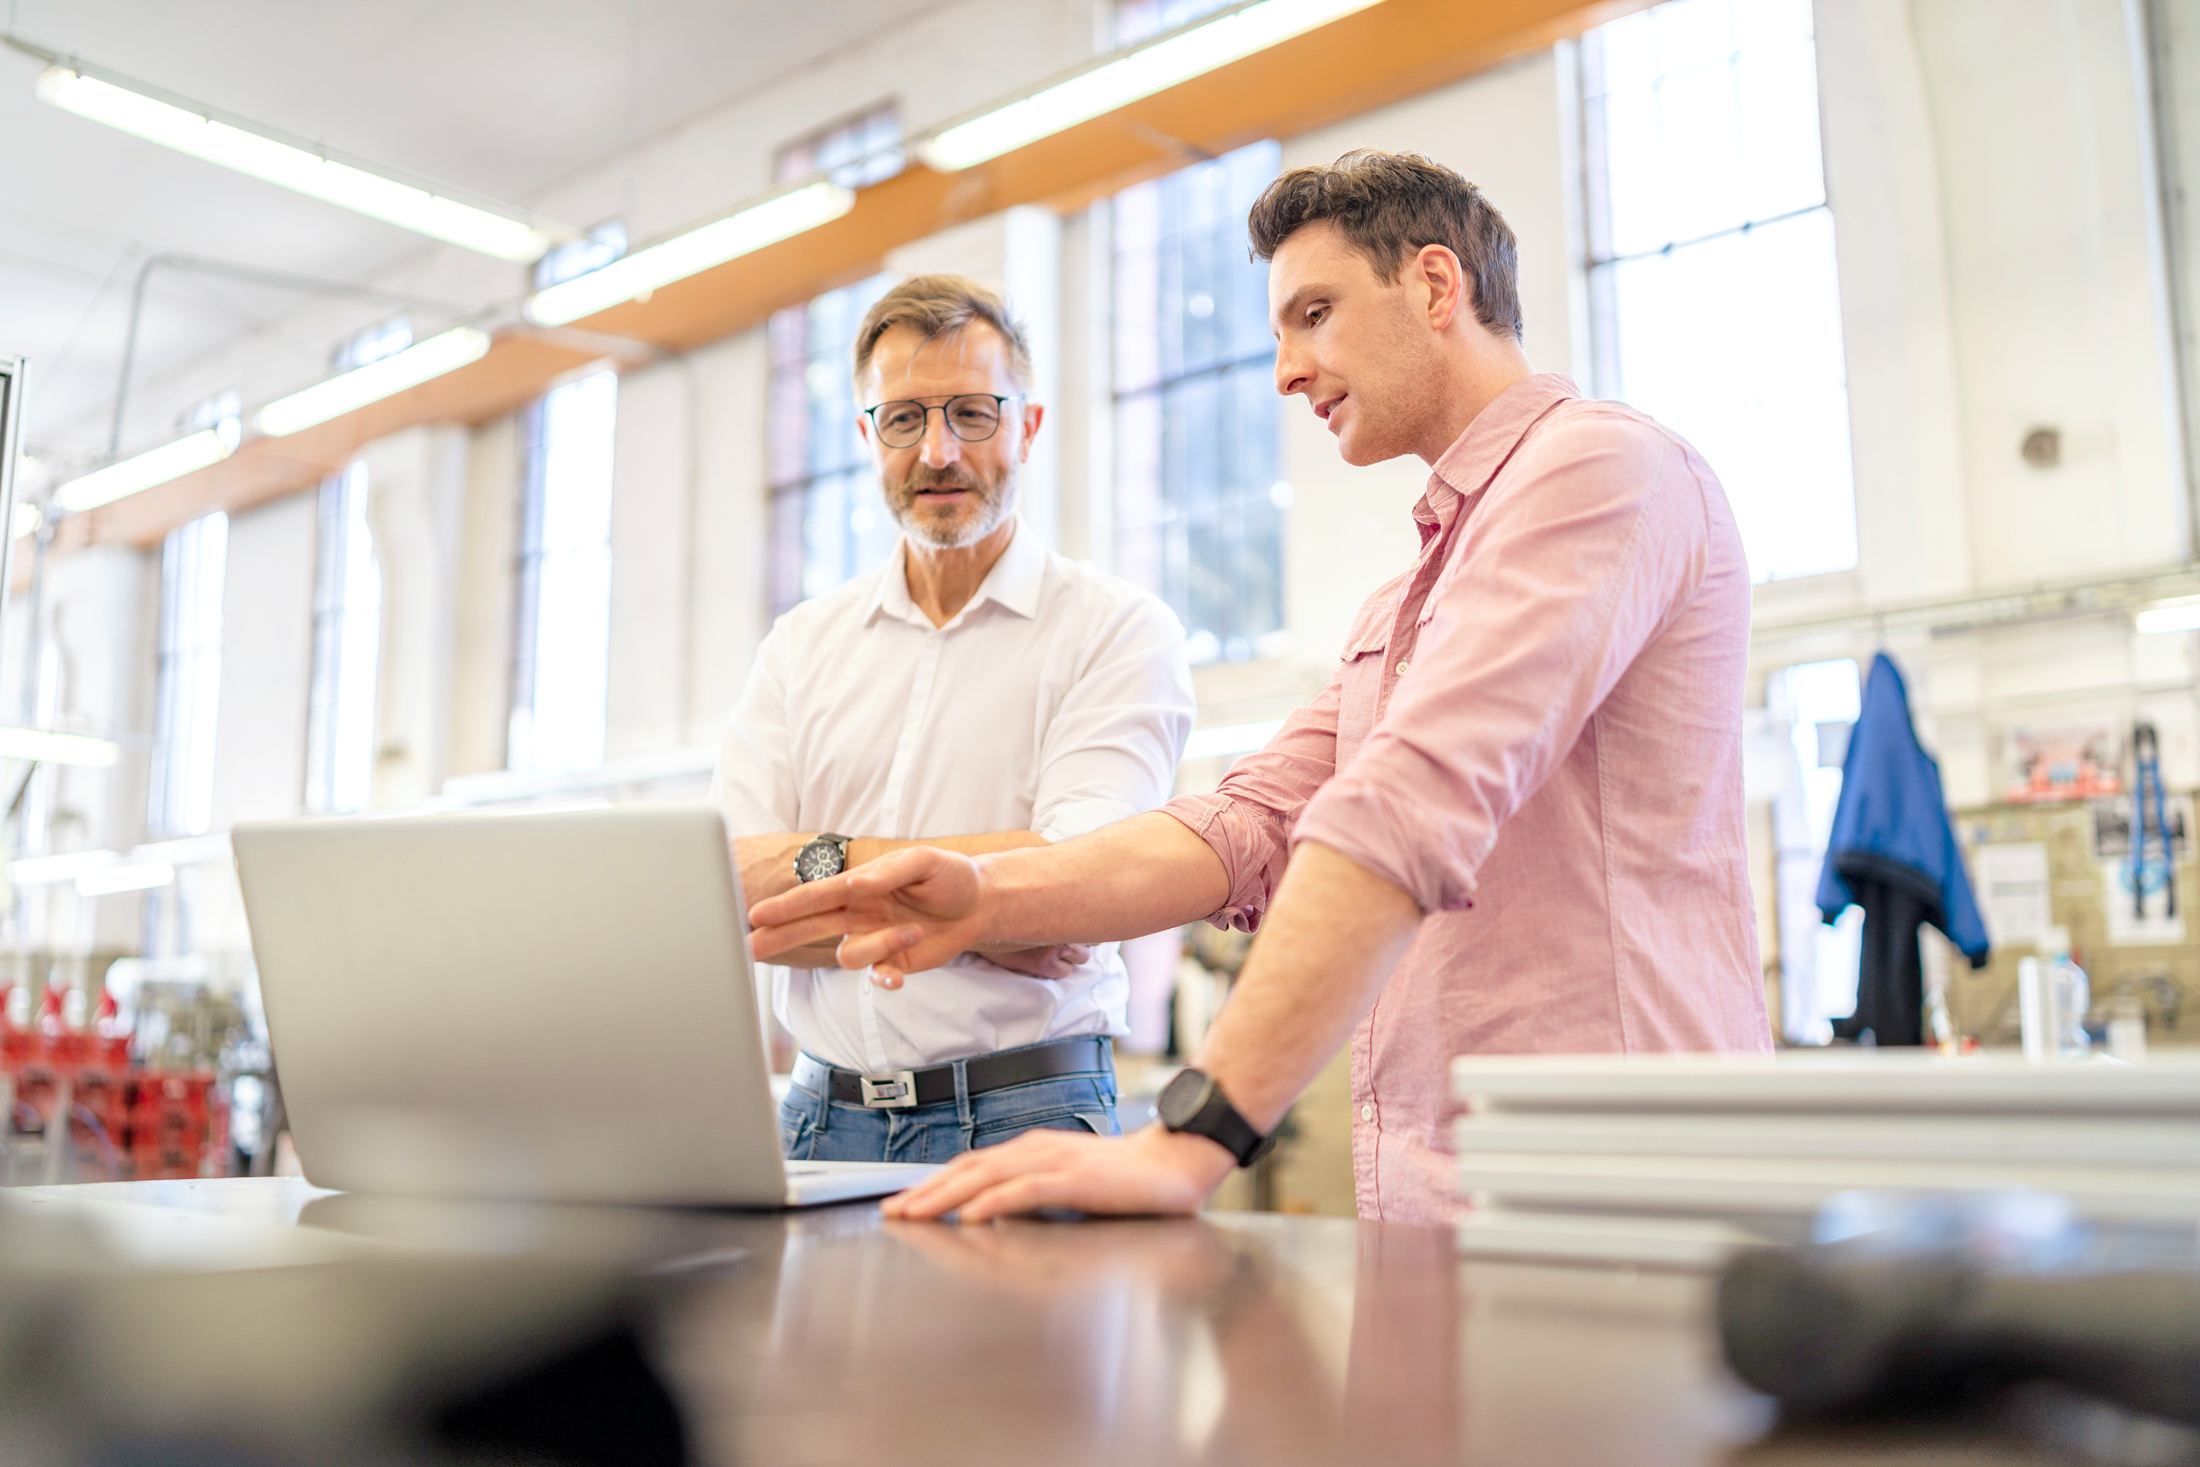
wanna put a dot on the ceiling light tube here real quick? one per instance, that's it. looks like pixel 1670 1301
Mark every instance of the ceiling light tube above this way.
pixel 749 228
pixel 391 375
pixel 149 469
pixel 49 747
pixel 133 876
pixel 47 870
pixel 1122 80
pixel 2181 614
pixel 265 154
pixel 25 519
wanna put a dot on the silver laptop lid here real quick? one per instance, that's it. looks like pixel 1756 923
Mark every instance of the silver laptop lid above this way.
pixel 546 1006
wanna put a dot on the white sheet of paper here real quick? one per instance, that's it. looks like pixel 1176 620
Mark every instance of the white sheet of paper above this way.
pixel 2126 928
pixel 2013 888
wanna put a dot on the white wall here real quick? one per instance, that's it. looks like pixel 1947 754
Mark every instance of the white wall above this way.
pixel 416 499
pixel 2048 200
pixel 1990 171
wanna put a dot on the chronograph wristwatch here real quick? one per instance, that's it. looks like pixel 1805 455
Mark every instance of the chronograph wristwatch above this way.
pixel 826 855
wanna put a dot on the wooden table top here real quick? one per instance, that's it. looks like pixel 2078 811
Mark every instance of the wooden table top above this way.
pixel 831 1336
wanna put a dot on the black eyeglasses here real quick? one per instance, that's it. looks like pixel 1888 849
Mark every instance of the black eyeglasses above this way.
pixel 971 416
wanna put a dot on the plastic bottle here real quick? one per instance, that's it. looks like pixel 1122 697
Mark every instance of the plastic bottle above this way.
pixel 2070 993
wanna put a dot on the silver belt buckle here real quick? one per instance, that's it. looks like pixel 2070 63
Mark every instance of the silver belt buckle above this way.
pixel 896 1091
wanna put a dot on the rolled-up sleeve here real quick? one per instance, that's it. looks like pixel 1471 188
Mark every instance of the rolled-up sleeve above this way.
pixel 1111 747
pixel 1600 539
pixel 1249 818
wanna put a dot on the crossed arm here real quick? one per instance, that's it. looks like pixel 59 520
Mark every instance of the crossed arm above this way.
pixel 1333 935
pixel 766 864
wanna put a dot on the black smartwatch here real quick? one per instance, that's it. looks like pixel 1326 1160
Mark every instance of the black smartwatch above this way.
pixel 1194 1104
pixel 826 855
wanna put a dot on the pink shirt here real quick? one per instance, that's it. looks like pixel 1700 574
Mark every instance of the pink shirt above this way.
pixel 1536 731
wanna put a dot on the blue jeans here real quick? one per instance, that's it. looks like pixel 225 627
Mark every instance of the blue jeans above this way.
pixel 815 1127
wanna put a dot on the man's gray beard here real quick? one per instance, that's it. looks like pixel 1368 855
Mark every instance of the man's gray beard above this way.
pixel 991 517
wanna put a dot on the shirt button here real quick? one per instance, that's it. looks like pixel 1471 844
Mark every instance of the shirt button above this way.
pixel 1401 669
pixel 1367 1112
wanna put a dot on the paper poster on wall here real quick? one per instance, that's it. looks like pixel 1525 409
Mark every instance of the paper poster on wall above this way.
pixel 2135 919
pixel 2013 888
pixel 2076 762
pixel 2112 828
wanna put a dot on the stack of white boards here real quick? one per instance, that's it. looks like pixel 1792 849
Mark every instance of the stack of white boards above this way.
pixel 1677 1160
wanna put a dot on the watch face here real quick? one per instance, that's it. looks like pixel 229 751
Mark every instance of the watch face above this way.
pixel 1182 1099
pixel 819 859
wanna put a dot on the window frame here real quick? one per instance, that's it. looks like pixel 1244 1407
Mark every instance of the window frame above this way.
pixel 854 152
pixel 1157 551
pixel 1602 260
pixel 339 607
pixel 531 554
pixel 187 676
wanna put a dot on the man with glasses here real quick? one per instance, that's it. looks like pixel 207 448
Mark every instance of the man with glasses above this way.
pixel 977 693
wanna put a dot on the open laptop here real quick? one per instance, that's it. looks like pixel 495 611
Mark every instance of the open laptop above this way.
pixel 550 1007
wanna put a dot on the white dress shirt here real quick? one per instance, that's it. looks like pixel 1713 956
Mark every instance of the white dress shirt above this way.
pixel 1057 701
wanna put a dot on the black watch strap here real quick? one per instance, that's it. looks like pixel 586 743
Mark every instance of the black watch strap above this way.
pixel 1194 1104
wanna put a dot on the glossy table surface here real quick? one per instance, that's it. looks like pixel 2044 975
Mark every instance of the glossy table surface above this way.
pixel 831 1336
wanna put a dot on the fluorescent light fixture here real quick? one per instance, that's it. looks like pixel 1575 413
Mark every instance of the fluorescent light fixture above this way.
pixel 1122 80
pixel 2181 614
pixel 293 163
pixel 49 747
pixel 25 520
pixel 747 229
pixel 1231 739
pixel 373 382
pixel 150 469
pixel 46 870
pixel 132 876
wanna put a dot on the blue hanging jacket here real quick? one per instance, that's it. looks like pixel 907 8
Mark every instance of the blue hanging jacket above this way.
pixel 1893 816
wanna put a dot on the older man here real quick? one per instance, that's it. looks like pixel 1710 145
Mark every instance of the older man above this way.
pixel 977 693
pixel 1513 819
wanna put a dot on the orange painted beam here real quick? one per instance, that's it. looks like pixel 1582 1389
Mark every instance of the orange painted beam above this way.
pixel 1382 54
pixel 1392 50
pixel 512 374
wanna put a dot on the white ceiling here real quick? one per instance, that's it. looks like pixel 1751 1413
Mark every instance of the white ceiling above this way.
pixel 504 97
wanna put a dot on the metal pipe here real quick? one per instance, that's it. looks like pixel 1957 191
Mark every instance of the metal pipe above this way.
pixel 200 265
pixel 14 375
pixel 635 353
pixel 2161 116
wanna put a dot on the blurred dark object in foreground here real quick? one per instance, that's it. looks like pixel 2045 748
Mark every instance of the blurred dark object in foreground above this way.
pixel 316 1352
pixel 1918 1304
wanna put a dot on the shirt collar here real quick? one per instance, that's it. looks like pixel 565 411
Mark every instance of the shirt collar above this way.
pixel 1013 583
pixel 1476 455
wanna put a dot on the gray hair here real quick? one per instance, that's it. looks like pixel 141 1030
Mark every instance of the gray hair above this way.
pixel 939 305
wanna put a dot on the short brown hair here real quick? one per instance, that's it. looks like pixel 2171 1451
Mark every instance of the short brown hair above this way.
pixel 939 305
pixel 1389 206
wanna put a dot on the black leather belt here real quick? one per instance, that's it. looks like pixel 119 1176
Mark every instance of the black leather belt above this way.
pixel 901 1089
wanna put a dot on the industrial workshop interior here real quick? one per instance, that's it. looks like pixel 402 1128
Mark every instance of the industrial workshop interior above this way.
pixel 1100 731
